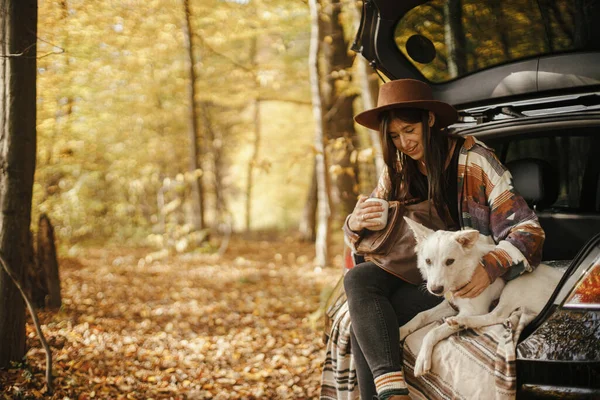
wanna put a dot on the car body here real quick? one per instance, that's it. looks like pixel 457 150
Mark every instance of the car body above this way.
pixel 525 77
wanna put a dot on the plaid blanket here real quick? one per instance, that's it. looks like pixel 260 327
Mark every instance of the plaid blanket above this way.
pixel 471 364
pixel 338 381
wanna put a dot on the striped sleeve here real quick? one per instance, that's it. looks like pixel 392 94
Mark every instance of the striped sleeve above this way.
pixel 351 238
pixel 514 226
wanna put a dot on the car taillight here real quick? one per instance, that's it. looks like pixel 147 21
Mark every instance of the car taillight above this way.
pixel 586 293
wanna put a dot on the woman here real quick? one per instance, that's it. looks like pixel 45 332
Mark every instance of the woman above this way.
pixel 467 187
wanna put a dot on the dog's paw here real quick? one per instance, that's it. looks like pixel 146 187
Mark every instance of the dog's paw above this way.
pixel 422 365
pixel 457 322
pixel 409 328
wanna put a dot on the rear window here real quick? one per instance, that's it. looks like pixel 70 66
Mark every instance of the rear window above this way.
pixel 471 35
pixel 575 162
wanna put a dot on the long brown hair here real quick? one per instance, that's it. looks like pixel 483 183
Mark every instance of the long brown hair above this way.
pixel 435 153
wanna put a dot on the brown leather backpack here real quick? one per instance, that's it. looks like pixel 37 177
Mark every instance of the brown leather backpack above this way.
pixel 393 248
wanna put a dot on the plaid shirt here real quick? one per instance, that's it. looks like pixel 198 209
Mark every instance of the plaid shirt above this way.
pixel 489 203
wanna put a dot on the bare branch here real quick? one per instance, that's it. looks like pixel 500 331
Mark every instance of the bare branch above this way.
pixel 295 101
pixel 36 322
pixel 22 54
pixel 51 44
pixel 52 52
pixel 207 46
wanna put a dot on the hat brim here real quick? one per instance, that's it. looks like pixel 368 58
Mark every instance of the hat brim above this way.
pixel 445 114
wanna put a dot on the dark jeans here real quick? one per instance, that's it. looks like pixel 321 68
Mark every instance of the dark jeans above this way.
pixel 379 303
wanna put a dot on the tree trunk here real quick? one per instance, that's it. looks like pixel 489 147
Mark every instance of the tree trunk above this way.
pixel 252 163
pixel 35 281
pixel 257 133
pixel 215 142
pixel 370 102
pixel 455 38
pixel 194 133
pixel 338 110
pixel 64 107
pixel 324 207
pixel 47 262
pixel 18 36
pixel 309 215
pixel 369 90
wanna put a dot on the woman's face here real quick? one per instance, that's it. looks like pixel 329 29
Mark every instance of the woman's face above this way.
pixel 408 136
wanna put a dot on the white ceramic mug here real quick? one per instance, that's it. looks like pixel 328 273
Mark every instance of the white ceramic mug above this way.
pixel 384 215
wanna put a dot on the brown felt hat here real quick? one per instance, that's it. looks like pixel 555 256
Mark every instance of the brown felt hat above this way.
pixel 407 93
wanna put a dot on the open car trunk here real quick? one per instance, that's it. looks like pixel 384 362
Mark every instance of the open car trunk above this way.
pixel 568 177
pixel 477 52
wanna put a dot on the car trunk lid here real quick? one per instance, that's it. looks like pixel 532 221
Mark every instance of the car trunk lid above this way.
pixel 475 52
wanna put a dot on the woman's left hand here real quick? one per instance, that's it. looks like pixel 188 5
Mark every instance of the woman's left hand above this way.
pixel 479 282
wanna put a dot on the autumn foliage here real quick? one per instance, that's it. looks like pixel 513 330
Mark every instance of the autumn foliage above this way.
pixel 186 327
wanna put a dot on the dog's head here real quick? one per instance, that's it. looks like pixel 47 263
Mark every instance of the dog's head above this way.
pixel 446 259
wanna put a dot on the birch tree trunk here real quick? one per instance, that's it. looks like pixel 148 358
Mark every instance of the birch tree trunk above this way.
pixel 324 206
pixel 18 36
pixel 194 133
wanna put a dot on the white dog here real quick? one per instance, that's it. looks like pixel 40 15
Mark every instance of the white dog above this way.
pixel 447 260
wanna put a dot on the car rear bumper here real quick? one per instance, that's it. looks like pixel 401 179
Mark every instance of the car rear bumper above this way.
pixel 556 392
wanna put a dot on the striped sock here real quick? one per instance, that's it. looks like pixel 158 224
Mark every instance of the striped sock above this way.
pixel 390 384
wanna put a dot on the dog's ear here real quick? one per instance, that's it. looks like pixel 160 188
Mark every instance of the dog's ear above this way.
pixel 467 239
pixel 421 232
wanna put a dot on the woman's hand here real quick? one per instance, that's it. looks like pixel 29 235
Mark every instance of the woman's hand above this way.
pixel 364 213
pixel 479 282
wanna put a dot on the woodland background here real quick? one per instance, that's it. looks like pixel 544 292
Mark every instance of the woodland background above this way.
pixel 114 83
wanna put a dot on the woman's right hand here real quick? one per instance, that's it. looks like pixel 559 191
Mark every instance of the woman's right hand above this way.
pixel 364 214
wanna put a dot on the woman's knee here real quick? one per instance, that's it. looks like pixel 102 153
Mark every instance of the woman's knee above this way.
pixel 360 276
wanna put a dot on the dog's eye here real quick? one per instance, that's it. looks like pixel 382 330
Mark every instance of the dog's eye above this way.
pixel 428 261
pixel 450 261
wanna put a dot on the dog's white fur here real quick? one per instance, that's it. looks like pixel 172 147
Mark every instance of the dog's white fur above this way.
pixel 434 250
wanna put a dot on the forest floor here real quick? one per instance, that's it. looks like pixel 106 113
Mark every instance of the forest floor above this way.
pixel 186 327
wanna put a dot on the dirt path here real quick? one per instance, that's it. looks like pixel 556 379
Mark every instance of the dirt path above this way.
pixel 185 327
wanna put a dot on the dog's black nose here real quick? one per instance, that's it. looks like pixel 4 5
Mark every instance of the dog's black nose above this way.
pixel 437 289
